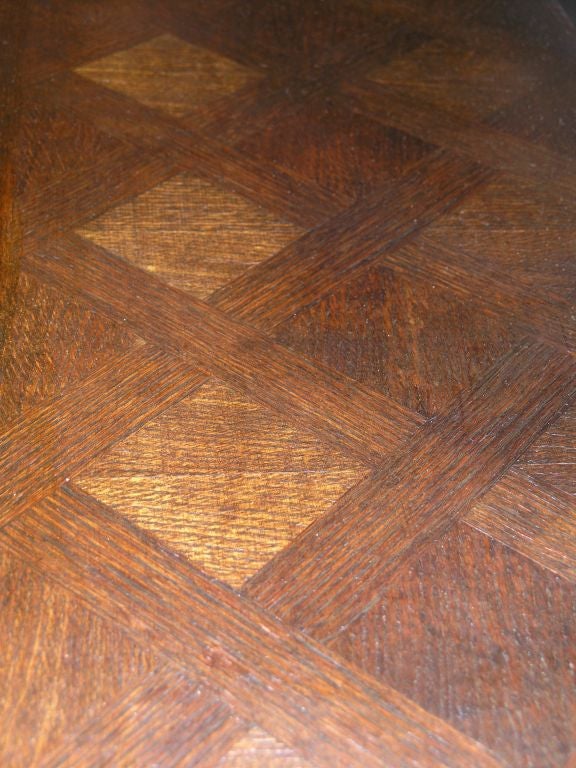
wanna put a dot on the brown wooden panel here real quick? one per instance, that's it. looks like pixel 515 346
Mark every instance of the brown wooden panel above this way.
pixel 492 147
pixel 538 521
pixel 259 750
pixel 191 233
pixel 164 719
pixel 200 152
pixel 59 663
pixel 368 423
pixel 552 458
pixel 169 74
pixel 67 33
pixel 39 453
pixel 456 78
pixel 537 228
pixel 221 480
pixel 391 216
pixel 291 361
pixel 415 496
pixel 53 341
pixel 203 626
pixel 345 153
pixel 468 631
pixel 389 331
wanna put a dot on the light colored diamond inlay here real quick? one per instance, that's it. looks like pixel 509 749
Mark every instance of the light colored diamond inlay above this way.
pixel 169 74
pixel 222 480
pixel 192 234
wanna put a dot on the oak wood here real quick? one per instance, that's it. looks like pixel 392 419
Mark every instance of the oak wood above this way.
pixel 287 383
pixel 331 714
pixel 416 494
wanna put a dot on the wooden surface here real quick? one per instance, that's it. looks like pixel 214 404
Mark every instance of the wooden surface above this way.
pixel 288 384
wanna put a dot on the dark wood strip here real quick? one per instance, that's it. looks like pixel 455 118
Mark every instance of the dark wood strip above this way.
pixel 166 720
pixel 489 146
pixel 269 674
pixel 342 411
pixel 535 520
pixel 49 444
pixel 389 217
pixel 337 568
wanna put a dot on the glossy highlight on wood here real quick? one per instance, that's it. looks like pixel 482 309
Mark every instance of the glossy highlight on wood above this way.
pixel 287 384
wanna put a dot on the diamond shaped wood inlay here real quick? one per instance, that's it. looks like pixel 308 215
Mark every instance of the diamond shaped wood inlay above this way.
pixel 192 234
pixel 169 74
pixel 221 480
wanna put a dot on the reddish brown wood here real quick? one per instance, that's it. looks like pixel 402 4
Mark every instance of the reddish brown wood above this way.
pixel 415 496
pixel 164 718
pixel 287 373
pixel 442 633
pixel 330 714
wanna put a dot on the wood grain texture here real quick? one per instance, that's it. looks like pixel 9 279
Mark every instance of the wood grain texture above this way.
pixel 59 663
pixel 456 78
pixel 336 34
pixel 14 23
pixel 221 480
pixel 415 496
pixel 534 519
pixel 491 147
pixel 169 74
pixel 259 750
pixel 53 341
pixel 345 153
pixel 537 228
pixel 388 331
pixel 164 719
pixel 69 34
pixel 201 625
pixel 39 441
pixel 467 631
pixel 191 233
pixel 287 383
pixel 552 458
pixel 376 225
pixel 368 423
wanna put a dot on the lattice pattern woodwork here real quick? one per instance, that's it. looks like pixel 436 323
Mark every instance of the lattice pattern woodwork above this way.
pixel 287 384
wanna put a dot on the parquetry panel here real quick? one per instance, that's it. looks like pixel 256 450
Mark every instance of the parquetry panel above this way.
pixel 533 518
pixel 53 144
pixel 221 480
pixel 59 664
pixel 69 33
pixel 533 507
pixel 345 153
pixel 53 341
pixel 169 74
pixel 545 117
pixel 191 233
pixel 483 637
pixel 321 35
pixel 408 338
pixel 456 78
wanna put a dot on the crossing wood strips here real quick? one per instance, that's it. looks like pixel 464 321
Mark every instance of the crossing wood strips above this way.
pixel 288 384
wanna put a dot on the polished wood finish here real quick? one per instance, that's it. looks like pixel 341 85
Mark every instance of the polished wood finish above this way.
pixel 288 381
